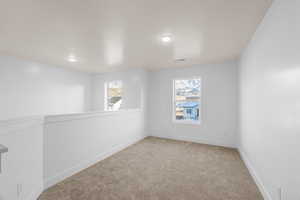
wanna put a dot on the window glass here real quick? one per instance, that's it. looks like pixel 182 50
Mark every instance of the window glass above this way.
pixel 187 99
pixel 113 97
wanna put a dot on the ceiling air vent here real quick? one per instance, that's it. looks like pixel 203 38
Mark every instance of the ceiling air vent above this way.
pixel 179 60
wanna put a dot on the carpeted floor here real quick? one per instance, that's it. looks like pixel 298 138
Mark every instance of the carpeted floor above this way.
pixel 161 169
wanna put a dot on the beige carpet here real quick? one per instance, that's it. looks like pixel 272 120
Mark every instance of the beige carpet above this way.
pixel 160 169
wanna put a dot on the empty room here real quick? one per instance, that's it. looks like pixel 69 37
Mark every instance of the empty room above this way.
pixel 149 100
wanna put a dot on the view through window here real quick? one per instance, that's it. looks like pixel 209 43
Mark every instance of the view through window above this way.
pixel 187 94
pixel 113 95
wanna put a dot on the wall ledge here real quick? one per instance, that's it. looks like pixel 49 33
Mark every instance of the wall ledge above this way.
pixel 17 124
pixel 49 119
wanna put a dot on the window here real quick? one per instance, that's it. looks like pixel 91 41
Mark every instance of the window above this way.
pixel 187 99
pixel 113 95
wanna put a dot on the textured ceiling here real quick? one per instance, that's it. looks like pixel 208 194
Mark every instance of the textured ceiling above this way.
pixel 106 35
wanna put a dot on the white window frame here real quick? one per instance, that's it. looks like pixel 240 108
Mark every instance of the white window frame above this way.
pixel 192 122
pixel 106 84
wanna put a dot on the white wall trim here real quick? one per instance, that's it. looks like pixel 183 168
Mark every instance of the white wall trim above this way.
pixel 87 163
pixel 50 119
pixel 254 175
pixel 196 140
pixel 15 125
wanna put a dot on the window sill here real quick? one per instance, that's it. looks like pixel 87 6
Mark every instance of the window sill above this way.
pixel 187 122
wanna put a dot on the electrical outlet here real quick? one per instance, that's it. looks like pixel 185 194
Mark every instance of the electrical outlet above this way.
pixel 19 189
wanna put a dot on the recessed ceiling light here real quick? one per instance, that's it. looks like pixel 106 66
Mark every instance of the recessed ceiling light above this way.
pixel 166 38
pixel 72 58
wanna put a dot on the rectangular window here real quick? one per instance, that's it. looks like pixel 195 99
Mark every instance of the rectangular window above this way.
pixel 187 99
pixel 113 95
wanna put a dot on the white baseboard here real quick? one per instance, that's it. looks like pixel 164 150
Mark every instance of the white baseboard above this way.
pixel 255 176
pixel 69 172
pixel 196 140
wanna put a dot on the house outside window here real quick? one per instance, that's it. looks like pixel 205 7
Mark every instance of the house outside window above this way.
pixel 113 95
pixel 187 100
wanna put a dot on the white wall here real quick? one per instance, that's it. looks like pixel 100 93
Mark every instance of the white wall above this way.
pixel 23 163
pixel 29 88
pixel 219 104
pixel 270 101
pixel 134 88
pixel 74 142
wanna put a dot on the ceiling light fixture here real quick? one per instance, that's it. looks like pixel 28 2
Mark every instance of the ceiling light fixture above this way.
pixel 166 38
pixel 72 58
